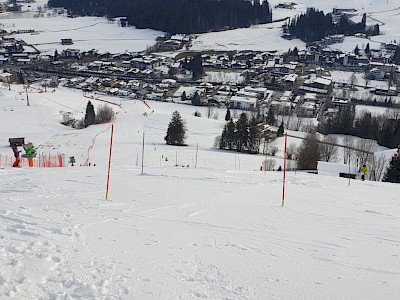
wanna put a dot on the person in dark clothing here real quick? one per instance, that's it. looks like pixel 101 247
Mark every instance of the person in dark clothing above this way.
pixel 16 155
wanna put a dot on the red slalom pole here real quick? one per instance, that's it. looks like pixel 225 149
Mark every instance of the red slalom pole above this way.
pixel 109 161
pixel 284 171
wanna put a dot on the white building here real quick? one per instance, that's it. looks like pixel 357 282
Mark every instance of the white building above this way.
pixel 245 103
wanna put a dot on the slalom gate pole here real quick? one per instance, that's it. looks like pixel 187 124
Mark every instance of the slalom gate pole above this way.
pixel 349 166
pixel 143 153
pixel 197 150
pixel 284 171
pixel 109 161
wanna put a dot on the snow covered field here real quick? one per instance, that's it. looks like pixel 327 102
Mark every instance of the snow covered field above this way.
pixel 268 37
pixel 216 232
pixel 86 33
pixel 96 33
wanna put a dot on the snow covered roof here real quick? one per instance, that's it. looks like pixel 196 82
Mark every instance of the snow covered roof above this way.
pixel 243 99
pixel 323 81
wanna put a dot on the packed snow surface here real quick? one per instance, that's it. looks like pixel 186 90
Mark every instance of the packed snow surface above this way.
pixel 218 231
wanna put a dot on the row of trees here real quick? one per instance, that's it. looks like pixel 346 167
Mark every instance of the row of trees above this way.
pixel 245 135
pixel 104 114
pixel 315 25
pixel 396 56
pixel 384 129
pixel 313 149
pixel 195 64
pixel 176 16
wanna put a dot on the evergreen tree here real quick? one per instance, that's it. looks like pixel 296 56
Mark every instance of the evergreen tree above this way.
pixel 230 135
pixel 270 119
pixel 392 173
pixel 295 52
pixel 175 16
pixel 176 130
pixel 242 133
pixel 56 55
pixel 222 142
pixel 254 136
pixel 367 49
pixel 90 115
pixel 281 130
pixel 20 78
pixel 228 115
pixel 357 50
pixel 196 66
pixel 183 96
pixel 376 30
pixel 396 56
pixel 364 20
pixel 196 99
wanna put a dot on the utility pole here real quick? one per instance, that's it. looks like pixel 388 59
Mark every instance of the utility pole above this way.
pixel 27 97
pixel 284 170
pixel 142 152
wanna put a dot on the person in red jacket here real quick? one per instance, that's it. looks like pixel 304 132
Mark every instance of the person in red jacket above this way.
pixel 16 155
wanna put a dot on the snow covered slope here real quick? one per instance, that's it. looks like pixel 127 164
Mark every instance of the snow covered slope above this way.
pixel 216 232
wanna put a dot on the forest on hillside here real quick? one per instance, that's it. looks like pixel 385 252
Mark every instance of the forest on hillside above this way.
pixel 314 25
pixel 175 16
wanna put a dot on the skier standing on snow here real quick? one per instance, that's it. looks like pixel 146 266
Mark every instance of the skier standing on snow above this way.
pixel 364 171
pixel 16 155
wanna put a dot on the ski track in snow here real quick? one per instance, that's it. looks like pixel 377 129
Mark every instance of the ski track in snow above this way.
pixel 57 244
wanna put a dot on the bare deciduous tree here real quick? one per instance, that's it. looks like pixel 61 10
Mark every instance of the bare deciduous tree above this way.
pixel 272 150
pixel 291 151
pixel 393 113
pixel 309 153
pixel 309 127
pixel 379 162
pixel 268 164
pixel 365 147
pixel 347 153
pixel 328 151
pixel 210 110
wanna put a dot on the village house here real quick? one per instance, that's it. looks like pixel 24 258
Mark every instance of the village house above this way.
pixel 319 85
pixel 261 92
pixel 145 62
pixel 70 53
pixel 243 102
pixel 282 107
pixel 189 91
pixel 330 40
pixel 290 79
pixel 376 74
pixel 284 69
pixel 122 56
pixel 308 109
pixel 6 77
pixel 339 102
pixel 385 67
pixel 66 42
